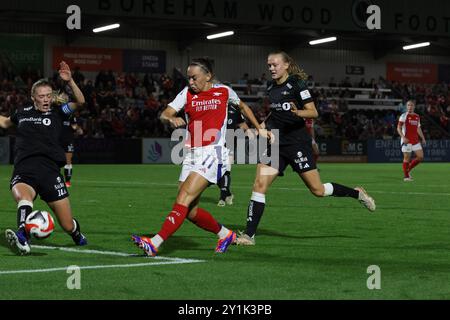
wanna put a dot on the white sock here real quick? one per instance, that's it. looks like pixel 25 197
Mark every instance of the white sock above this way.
pixel 157 240
pixel 328 189
pixel 74 225
pixel 68 166
pixel 25 203
pixel 258 197
pixel 223 233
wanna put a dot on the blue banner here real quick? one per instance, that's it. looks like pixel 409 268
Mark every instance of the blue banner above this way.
pixel 143 61
pixel 390 151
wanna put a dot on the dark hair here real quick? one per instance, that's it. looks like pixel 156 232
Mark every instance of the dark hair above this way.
pixel 293 68
pixel 40 83
pixel 204 63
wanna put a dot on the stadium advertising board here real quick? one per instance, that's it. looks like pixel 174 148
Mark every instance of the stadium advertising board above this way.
pixel 390 151
pixel 89 59
pixel 90 150
pixel 157 150
pixel 20 52
pixel 412 72
pixel 143 61
pixel 354 70
pixel 341 147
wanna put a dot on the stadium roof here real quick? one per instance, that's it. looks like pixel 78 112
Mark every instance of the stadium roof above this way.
pixel 22 19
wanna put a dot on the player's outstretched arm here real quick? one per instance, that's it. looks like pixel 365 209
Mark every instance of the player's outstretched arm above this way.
pixel 169 115
pixel 309 111
pixel 248 114
pixel 66 75
pixel 5 122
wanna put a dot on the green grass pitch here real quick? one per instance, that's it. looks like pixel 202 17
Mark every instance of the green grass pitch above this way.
pixel 306 248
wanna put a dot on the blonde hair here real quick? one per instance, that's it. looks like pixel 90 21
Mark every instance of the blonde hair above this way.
pixel 40 83
pixel 59 98
pixel 293 68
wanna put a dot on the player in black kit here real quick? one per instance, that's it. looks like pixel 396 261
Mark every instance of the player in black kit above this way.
pixel 39 157
pixel 291 102
pixel 235 120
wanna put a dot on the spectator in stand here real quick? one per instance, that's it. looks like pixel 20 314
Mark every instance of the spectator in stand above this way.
pixel 434 111
pixel 262 80
pixel 363 83
pixel 77 76
pixel 310 82
pixel 346 83
pixel 332 83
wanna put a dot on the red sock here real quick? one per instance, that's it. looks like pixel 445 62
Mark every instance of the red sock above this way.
pixel 414 163
pixel 406 169
pixel 206 221
pixel 173 221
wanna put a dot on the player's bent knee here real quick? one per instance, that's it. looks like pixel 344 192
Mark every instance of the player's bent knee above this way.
pixel 260 186
pixel 184 197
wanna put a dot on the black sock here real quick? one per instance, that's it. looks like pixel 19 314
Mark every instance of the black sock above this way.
pixel 224 185
pixel 227 183
pixel 22 214
pixel 254 214
pixel 67 174
pixel 221 185
pixel 343 191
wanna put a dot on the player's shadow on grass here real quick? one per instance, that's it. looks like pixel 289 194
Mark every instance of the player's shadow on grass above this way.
pixel 273 233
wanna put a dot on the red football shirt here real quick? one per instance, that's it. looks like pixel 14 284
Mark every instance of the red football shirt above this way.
pixel 206 113
pixel 410 122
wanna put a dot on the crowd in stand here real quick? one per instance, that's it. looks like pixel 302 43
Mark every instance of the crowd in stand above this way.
pixel 127 105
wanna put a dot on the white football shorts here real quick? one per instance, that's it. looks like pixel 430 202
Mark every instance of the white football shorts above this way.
pixel 210 162
pixel 411 147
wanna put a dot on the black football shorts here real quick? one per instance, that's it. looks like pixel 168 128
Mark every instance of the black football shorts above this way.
pixel 298 156
pixel 43 175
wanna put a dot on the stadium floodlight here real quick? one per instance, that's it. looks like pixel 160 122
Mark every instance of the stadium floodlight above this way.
pixel 417 45
pixel 319 41
pixel 220 35
pixel 105 28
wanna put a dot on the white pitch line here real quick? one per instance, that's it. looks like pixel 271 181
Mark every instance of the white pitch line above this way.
pixel 179 261
pixel 168 260
pixel 110 253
